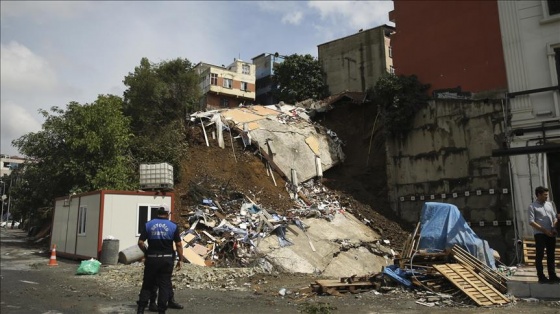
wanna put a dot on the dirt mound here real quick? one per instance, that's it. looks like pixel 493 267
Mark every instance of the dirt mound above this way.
pixel 225 175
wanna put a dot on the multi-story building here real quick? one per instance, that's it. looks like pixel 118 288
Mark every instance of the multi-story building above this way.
pixel 531 47
pixel 449 44
pixel 501 49
pixel 9 163
pixel 265 64
pixel 356 62
pixel 226 87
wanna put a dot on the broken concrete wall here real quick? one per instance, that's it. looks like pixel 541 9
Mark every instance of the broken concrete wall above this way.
pixel 344 246
pixel 447 157
pixel 289 141
pixel 295 147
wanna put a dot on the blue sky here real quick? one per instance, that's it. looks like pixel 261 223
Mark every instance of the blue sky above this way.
pixel 55 52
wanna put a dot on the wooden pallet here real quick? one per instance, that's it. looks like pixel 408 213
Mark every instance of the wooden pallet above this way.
pixel 474 286
pixel 334 287
pixel 490 275
pixel 411 244
pixel 529 252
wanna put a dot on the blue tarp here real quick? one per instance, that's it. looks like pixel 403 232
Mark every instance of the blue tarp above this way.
pixel 443 226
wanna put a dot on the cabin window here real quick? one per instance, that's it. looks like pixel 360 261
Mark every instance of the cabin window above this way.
pixel 145 214
pixel 82 218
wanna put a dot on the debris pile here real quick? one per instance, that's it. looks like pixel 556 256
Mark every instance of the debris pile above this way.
pixel 453 277
pixel 224 232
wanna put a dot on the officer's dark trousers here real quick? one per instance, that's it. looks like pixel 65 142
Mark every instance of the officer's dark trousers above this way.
pixel 157 272
pixel 153 295
pixel 542 242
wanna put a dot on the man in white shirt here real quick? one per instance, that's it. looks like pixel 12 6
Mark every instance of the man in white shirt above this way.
pixel 542 217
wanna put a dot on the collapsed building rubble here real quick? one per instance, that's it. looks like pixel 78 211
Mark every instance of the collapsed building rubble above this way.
pixel 318 234
pixel 452 274
pixel 240 233
pixel 286 138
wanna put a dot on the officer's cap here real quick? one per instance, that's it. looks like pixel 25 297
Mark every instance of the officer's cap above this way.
pixel 164 209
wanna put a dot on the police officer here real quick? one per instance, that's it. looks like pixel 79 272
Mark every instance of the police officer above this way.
pixel 160 234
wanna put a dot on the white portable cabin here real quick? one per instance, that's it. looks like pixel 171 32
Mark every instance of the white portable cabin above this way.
pixel 81 222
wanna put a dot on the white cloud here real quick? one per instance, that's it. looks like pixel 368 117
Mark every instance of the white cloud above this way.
pixel 292 12
pixel 16 121
pixel 40 11
pixel 355 14
pixel 292 18
pixel 23 70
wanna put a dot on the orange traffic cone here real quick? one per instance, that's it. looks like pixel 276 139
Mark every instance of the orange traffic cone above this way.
pixel 52 261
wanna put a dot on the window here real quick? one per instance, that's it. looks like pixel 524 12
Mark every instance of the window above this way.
pixel 553 7
pixel 390 51
pixel 245 69
pixel 82 215
pixel 228 82
pixel 145 214
pixel 225 102
pixel 244 86
pixel 392 69
pixel 557 60
pixel 214 79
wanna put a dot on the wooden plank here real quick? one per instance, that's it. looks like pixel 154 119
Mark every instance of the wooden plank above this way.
pixel 466 259
pixel 189 237
pixel 192 257
pixel 210 236
pixel 200 250
pixel 336 283
pixel 474 286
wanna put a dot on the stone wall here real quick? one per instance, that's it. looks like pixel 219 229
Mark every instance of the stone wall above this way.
pixel 447 158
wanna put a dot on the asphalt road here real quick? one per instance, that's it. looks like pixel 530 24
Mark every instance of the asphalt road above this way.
pixel 28 285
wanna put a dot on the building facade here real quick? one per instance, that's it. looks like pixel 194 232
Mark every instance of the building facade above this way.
pixel 356 62
pixel 511 53
pixel 226 87
pixel 264 66
pixel 531 47
pixel 451 45
pixel 9 163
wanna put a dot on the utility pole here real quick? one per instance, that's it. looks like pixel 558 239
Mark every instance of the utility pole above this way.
pixel 3 197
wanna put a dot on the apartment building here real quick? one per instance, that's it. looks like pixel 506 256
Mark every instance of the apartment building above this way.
pixel 226 87
pixel 9 163
pixel 531 47
pixel 356 62
pixel 265 64
pixel 507 50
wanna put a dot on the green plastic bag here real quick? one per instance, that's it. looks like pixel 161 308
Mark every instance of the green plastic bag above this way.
pixel 89 267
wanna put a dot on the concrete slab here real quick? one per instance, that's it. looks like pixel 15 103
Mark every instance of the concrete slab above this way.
pixel 328 259
pixel 295 144
pixel 524 284
pixel 357 261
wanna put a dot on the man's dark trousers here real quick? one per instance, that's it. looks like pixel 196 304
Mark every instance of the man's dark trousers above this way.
pixel 157 271
pixel 542 242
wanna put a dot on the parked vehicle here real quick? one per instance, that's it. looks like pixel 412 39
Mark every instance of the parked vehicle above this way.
pixel 8 224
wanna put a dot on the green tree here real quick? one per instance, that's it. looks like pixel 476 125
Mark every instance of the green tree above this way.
pixel 82 148
pixel 158 94
pixel 299 77
pixel 157 99
pixel 399 99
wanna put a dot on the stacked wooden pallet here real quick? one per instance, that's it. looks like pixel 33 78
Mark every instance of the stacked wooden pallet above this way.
pixel 464 258
pixel 473 285
pixel 529 252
